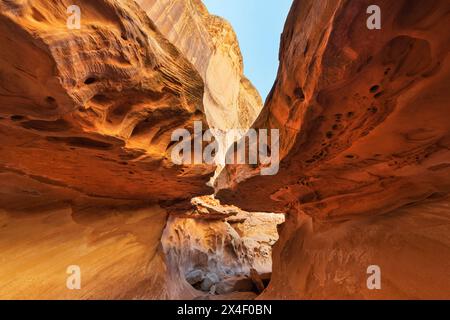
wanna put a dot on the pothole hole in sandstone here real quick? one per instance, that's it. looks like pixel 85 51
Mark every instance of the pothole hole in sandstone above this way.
pixel 90 80
pixel 221 250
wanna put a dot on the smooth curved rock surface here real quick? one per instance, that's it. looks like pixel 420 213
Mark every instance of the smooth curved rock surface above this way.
pixel 86 176
pixel 86 118
pixel 210 44
pixel 101 105
pixel 330 260
pixel 117 255
pixel 363 119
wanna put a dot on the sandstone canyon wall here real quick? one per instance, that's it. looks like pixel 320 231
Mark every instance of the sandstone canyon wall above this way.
pixel 86 118
pixel 209 42
pixel 365 148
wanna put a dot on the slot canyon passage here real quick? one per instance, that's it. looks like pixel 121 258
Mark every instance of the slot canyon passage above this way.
pixel 86 177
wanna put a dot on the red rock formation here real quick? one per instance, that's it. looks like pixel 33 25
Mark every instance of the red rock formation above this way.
pixel 102 103
pixel 86 118
pixel 209 42
pixel 317 259
pixel 222 241
pixel 364 124
pixel 116 248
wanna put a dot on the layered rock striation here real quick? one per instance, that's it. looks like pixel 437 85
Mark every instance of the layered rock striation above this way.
pixel 83 107
pixel 86 117
pixel 365 137
pixel 230 101
pixel 210 44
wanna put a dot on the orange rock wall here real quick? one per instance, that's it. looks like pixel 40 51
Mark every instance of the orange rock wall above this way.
pixel 365 132
pixel 86 118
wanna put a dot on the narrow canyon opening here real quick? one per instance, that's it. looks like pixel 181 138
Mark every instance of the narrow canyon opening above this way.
pixel 221 251
pixel 214 250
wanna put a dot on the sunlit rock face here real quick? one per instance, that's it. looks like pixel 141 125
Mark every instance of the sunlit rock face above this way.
pixel 81 108
pixel 209 42
pixel 86 118
pixel 365 137
pixel 116 248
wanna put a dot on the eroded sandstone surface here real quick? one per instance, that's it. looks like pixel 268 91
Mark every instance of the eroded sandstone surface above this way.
pixel 83 107
pixel 214 247
pixel 86 118
pixel 210 44
pixel 365 141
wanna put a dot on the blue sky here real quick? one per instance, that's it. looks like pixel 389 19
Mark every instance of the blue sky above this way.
pixel 258 25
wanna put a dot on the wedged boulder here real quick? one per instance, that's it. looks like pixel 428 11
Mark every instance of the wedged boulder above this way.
pixel 226 249
pixel 97 114
pixel 195 276
pixel 209 280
